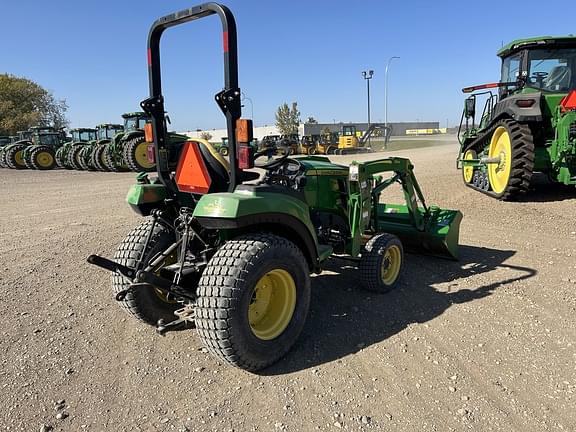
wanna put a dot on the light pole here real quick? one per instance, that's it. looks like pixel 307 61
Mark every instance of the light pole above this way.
pixel 386 99
pixel 367 75
pixel 244 97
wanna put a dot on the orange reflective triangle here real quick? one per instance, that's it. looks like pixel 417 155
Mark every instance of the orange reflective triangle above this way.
pixel 191 173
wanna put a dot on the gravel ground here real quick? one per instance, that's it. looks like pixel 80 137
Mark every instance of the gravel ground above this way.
pixel 487 343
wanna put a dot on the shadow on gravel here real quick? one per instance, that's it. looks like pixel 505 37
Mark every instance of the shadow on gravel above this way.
pixel 344 318
pixel 543 190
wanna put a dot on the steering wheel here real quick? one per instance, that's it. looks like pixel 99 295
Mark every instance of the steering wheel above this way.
pixel 275 163
pixel 540 74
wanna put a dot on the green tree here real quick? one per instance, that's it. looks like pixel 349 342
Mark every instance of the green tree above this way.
pixel 288 119
pixel 24 103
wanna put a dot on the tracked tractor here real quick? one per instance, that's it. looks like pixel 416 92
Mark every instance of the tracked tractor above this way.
pixel 528 126
pixel 230 249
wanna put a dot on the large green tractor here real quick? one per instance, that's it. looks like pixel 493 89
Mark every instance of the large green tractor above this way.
pixel 529 126
pixel 44 144
pixel 128 149
pixel 231 249
pixel 5 140
pixel 91 157
pixel 12 153
pixel 68 155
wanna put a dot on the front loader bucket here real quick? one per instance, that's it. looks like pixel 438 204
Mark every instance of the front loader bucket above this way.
pixel 438 238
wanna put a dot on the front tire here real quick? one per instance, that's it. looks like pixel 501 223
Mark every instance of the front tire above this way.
pixel 382 263
pixel 146 304
pixel 253 299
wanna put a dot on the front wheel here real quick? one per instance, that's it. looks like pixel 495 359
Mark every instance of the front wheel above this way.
pixel 382 263
pixel 253 299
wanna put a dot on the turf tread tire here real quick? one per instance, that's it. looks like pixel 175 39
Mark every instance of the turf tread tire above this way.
pixel 225 287
pixel 143 303
pixel 370 263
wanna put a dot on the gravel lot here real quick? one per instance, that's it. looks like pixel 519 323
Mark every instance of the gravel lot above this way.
pixel 487 343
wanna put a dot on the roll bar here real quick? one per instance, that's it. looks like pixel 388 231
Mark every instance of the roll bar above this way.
pixel 228 99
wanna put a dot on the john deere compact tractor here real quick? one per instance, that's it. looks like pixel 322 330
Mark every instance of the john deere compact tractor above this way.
pixel 528 126
pixel 231 250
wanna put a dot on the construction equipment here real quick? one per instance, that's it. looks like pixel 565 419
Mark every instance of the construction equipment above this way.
pixel 128 149
pixel 350 143
pixel 231 250
pixel 529 126
pixel 68 155
pixel 308 144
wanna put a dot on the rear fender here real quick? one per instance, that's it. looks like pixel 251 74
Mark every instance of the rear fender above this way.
pixel 237 212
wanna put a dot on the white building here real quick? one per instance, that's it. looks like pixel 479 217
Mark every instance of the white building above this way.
pixel 259 132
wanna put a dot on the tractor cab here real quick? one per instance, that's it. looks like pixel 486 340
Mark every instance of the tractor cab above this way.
pixel 107 131
pixel 83 134
pixel 135 121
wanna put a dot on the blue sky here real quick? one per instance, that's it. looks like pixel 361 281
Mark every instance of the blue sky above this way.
pixel 93 54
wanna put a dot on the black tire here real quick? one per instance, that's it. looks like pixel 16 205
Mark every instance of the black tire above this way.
pixel 225 293
pixel 42 158
pixel 311 150
pixel 59 157
pixel 223 151
pixel 11 159
pixel 144 304
pixel 97 157
pixel 522 165
pixel 330 150
pixel 84 156
pixel 130 150
pixel 374 260
pixel 3 159
pixel 73 157
pixel 109 162
pixel 27 157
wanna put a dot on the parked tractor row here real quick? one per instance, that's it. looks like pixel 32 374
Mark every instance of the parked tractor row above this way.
pixel 107 147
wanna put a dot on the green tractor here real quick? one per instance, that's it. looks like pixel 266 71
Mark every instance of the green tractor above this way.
pixel 5 140
pixel 91 157
pixel 529 126
pixel 231 250
pixel 68 155
pixel 128 149
pixel 11 154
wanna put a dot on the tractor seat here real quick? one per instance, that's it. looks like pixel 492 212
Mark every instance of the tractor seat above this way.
pixel 558 79
pixel 219 168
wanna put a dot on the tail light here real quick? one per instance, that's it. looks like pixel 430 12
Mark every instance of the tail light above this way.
pixel 150 154
pixel 525 103
pixel 245 157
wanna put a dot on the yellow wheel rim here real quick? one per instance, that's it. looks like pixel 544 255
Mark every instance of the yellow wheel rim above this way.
pixel 467 170
pixel 19 157
pixel 45 159
pixel 391 265
pixel 141 155
pixel 272 305
pixel 501 148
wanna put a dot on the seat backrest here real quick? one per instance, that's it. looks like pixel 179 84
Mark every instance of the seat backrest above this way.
pixel 218 167
pixel 558 78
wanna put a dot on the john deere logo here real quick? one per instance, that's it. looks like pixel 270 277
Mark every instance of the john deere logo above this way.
pixel 215 207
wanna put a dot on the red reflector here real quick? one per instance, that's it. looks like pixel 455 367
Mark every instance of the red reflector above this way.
pixel 568 102
pixel 149 57
pixel 191 173
pixel 225 41
pixel 245 157
pixel 150 153
pixel 525 103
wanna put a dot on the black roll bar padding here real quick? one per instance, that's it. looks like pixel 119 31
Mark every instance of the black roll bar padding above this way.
pixel 231 107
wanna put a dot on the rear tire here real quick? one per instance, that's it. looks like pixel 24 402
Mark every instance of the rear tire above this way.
pixel 135 155
pixel 73 157
pixel 382 263
pixel 253 299
pixel 42 158
pixel 98 157
pixel 13 157
pixel 223 151
pixel 144 303
pixel 109 162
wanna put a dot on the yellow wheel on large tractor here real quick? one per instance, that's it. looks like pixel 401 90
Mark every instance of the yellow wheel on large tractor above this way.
pixel 136 155
pixel 42 158
pixel 511 159
pixel 253 299
pixel 467 170
pixel 382 263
